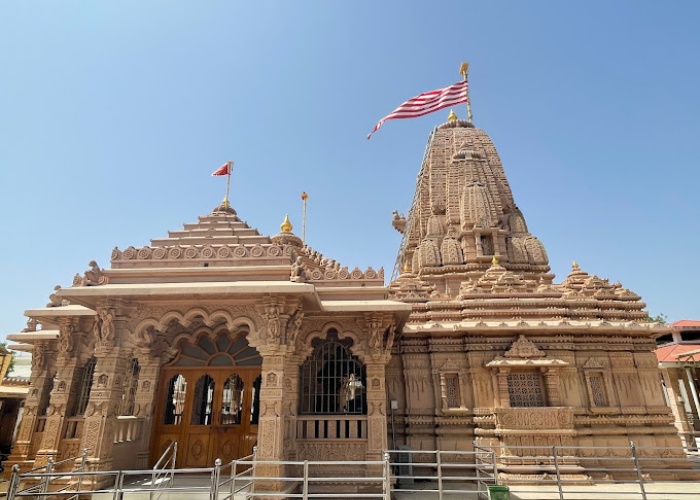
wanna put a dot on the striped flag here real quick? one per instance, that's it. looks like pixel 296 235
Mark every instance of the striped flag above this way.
pixel 427 103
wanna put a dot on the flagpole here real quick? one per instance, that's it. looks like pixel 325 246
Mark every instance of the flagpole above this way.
pixel 228 184
pixel 304 197
pixel 463 69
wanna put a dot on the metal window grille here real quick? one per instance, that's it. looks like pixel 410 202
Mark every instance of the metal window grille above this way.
pixel 130 386
pixel 452 390
pixel 526 389
pixel 85 387
pixel 597 387
pixel 333 380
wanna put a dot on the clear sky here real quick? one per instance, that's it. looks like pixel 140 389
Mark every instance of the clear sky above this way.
pixel 114 114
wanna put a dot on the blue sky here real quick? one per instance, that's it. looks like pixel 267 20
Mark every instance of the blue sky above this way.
pixel 113 115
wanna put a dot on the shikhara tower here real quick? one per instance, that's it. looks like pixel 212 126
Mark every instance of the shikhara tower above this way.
pixel 221 338
pixel 494 353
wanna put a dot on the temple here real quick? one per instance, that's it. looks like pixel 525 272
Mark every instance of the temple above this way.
pixel 223 339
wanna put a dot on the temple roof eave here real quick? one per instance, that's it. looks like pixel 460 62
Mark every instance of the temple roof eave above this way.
pixel 51 315
pixel 30 337
pixel 91 295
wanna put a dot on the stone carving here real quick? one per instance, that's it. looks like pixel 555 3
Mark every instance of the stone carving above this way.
pixel 104 325
pixel 535 418
pixel 523 348
pixel 39 358
pixel 274 322
pixel 93 276
pixel 375 340
pixel 294 327
pixel 399 222
pixel 65 338
pixel 298 273
pixel 31 325
pixel 54 300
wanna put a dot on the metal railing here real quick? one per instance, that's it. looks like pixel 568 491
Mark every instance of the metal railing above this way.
pixel 244 478
pixel 544 473
pixel 39 478
pixel 164 470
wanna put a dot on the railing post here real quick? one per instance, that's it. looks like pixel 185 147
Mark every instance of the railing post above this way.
pixel 14 483
pixel 438 462
pixel 387 476
pixel 172 467
pixel 640 477
pixel 83 459
pixel 46 479
pixel 305 485
pixel 215 479
pixel 117 486
pixel 495 467
pixel 234 466
pixel 556 469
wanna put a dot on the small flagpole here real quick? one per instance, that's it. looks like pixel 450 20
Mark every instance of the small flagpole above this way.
pixel 304 197
pixel 228 184
pixel 463 69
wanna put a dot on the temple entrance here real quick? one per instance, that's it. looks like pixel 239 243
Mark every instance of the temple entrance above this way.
pixel 209 400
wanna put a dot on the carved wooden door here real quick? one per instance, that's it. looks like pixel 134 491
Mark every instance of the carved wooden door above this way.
pixel 211 410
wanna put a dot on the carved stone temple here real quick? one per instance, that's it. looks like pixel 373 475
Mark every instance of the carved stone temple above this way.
pixel 223 339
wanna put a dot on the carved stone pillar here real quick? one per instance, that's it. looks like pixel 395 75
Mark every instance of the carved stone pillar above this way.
pixel 36 404
pixel 276 342
pixel 107 389
pixel 145 401
pixel 377 437
pixel 503 395
pixel 67 361
pixel 551 380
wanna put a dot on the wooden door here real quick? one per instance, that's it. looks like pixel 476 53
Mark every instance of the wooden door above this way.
pixel 212 413
pixel 208 401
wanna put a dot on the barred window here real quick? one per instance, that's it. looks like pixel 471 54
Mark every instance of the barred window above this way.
pixel 526 389
pixel 131 384
pixel 84 387
pixel 333 381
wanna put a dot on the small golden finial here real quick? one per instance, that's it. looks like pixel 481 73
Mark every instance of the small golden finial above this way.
pixel 286 226
pixel 494 261
pixel 304 196
pixel 225 203
pixel 574 266
pixel 452 116
pixel 463 69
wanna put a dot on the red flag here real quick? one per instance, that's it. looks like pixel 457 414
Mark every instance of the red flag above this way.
pixel 427 103
pixel 224 169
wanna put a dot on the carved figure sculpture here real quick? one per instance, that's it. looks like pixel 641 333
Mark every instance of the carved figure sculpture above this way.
pixel 298 273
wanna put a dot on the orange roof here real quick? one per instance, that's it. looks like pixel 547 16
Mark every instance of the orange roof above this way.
pixel 669 353
pixel 685 322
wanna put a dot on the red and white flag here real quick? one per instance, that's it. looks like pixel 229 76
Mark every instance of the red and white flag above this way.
pixel 428 102
pixel 224 169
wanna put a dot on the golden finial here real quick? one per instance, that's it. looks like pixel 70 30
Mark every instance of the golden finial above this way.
pixel 463 69
pixel 304 196
pixel 494 261
pixel 452 116
pixel 574 266
pixel 286 226
pixel 225 203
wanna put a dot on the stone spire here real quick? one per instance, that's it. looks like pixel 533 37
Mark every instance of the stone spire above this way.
pixel 464 215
